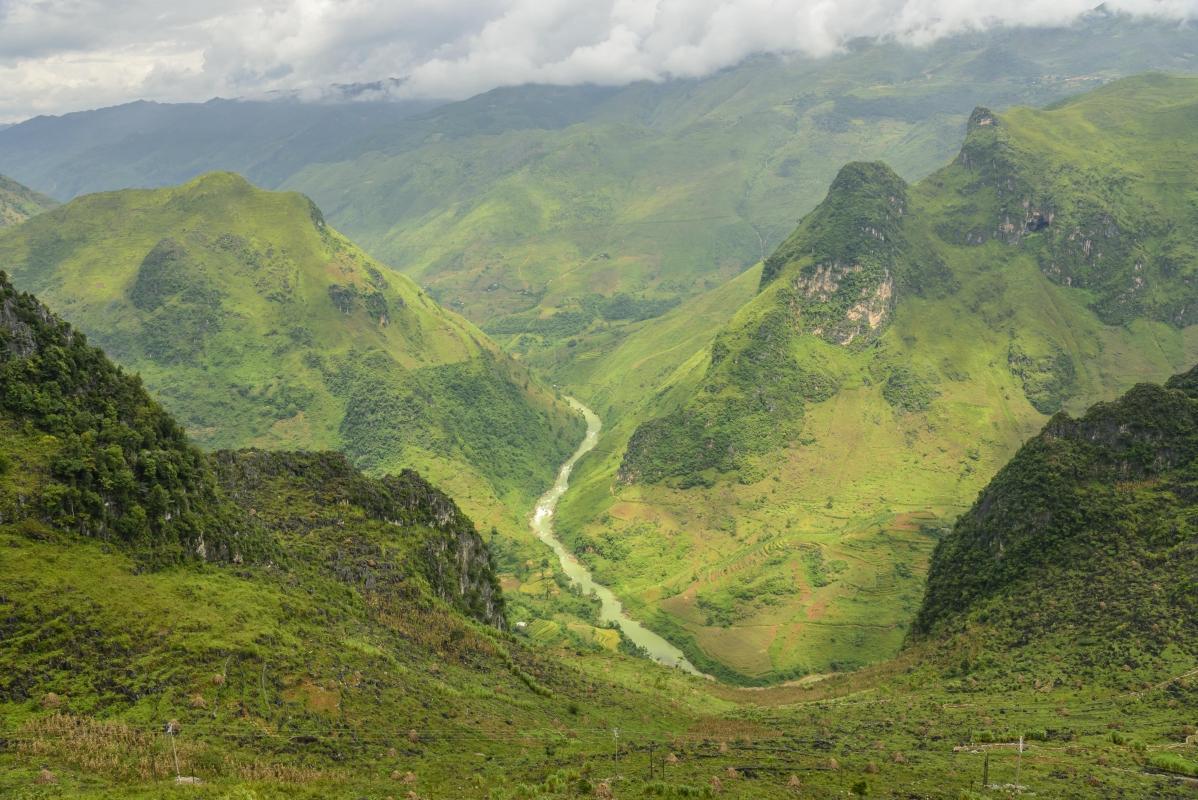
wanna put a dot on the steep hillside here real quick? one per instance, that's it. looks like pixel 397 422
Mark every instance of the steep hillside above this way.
pixel 87 452
pixel 1085 546
pixel 18 203
pixel 303 628
pixel 259 325
pixel 343 636
pixel 84 448
pixel 903 342
pixel 529 208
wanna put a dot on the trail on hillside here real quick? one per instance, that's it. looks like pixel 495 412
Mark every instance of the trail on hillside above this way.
pixel 612 609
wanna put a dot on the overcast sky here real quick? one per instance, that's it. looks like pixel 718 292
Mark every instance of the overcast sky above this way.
pixel 65 55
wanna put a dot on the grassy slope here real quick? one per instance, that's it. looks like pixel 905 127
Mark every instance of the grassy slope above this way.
pixel 320 692
pixel 831 535
pixel 18 203
pixel 259 325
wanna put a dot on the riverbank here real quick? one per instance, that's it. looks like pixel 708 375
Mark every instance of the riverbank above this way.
pixel 612 610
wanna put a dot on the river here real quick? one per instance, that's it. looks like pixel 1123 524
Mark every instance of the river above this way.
pixel 612 609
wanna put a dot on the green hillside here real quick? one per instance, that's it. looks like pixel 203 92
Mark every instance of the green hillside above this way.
pixel 18 203
pixel 259 325
pixel 282 610
pixel 1082 549
pixel 775 499
pixel 278 625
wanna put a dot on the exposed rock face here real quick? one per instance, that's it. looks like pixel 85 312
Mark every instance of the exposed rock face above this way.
pixel 1086 228
pixel 847 257
pixel 864 318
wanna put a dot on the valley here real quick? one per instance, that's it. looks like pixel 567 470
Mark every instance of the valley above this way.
pixel 822 424
pixel 802 545
pixel 610 611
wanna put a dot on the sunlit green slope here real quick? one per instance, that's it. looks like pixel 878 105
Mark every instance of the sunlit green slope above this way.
pixel 781 493
pixel 18 203
pixel 258 324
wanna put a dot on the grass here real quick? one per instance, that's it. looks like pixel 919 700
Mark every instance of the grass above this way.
pixel 320 698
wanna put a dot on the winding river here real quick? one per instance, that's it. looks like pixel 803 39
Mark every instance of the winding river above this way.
pixel 612 609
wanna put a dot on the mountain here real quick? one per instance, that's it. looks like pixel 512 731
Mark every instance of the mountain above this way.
pixel 149 144
pixel 277 624
pixel 775 497
pixel 1083 546
pixel 559 218
pixel 18 203
pixel 259 325
pixel 85 449
pixel 234 593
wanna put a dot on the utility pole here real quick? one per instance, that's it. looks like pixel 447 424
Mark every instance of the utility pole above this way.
pixel 615 735
pixel 172 728
pixel 1019 761
pixel 986 771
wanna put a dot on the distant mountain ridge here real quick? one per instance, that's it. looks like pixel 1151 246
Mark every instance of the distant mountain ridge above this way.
pixel 521 206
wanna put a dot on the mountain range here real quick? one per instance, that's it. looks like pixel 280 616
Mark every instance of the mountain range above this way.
pixel 773 494
pixel 526 208
pixel 897 434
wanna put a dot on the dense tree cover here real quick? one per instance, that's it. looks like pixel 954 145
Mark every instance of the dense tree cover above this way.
pixel 1090 533
pixel 120 467
pixel 374 533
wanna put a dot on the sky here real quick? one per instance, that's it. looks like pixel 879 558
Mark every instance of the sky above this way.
pixel 65 55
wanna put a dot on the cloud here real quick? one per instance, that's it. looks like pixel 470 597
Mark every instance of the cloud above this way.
pixel 58 55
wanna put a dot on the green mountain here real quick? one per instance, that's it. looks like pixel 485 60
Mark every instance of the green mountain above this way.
pixel 85 449
pixel 281 609
pixel 18 203
pixel 560 217
pixel 1083 547
pixel 259 325
pixel 278 625
pixel 774 499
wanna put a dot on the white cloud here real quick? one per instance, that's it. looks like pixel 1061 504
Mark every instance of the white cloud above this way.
pixel 58 55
